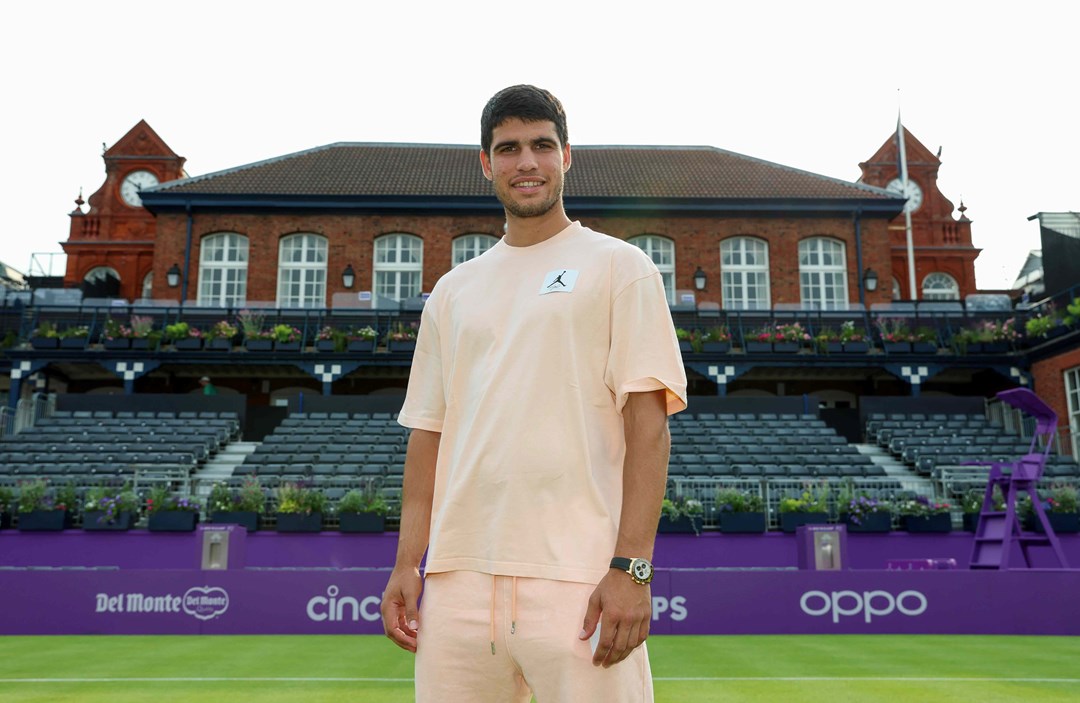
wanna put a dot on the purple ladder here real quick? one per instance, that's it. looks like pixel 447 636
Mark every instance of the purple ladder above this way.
pixel 999 531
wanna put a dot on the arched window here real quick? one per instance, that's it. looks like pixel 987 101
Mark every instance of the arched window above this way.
pixel 399 263
pixel 744 273
pixel 662 252
pixel 302 271
pixel 148 286
pixel 223 263
pixel 470 246
pixel 101 282
pixel 823 274
pixel 896 292
pixel 940 286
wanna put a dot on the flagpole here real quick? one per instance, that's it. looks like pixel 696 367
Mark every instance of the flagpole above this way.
pixel 913 290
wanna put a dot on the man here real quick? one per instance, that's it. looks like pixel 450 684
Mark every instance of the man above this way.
pixel 207 387
pixel 541 383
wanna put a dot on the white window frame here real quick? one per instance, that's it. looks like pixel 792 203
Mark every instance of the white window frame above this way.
pixel 662 252
pixel 1072 396
pixel 398 267
pixel 223 267
pixel 897 293
pixel 302 271
pixel 940 286
pixel 470 246
pixel 823 273
pixel 148 286
pixel 735 274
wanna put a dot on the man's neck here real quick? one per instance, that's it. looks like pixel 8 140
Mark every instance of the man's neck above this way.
pixel 527 231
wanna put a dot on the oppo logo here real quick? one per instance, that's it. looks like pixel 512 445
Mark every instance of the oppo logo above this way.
pixel 869 603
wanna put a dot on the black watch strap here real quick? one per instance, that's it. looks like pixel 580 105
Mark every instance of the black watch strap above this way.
pixel 621 563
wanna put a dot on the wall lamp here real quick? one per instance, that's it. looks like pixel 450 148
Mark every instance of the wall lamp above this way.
pixel 700 279
pixel 870 280
pixel 172 276
pixel 348 276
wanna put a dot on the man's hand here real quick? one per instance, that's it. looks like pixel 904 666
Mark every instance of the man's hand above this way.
pixel 401 618
pixel 623 610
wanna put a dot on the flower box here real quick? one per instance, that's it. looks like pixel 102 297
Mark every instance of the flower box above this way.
pixel 742 523
pixel 188 344
pixel 941 522
pixel 971 522
pixel 117 344
pixel 972 348
pixel 143 343
pixel 173 521
pixel 897 347
pixel 325 345
pixel 1062 523
pixel 756 347
pixel 785 347
pixel 833 347
pixel 44 342
pixel 685 346
pixel 872 522
pixel 259 344
pixel 682 525
pixel 856 347
pixel 250 520
pixel 299 522
pixel 220 344
pixel 45 521
pixel 73 343
pixel 5 521
pixel 996 347
pixel 361 522
pixel 716 347
pixel 362 345
pixel 924 348
pixel 94 521
pixel 407 345
pixel 287 346
pixel 789 522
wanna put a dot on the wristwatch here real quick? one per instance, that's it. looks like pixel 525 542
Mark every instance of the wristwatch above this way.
pixel 640 570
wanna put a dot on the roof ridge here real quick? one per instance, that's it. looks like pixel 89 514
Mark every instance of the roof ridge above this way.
pixel 237 169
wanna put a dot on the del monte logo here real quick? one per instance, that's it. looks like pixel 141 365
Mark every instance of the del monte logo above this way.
pixel 205 602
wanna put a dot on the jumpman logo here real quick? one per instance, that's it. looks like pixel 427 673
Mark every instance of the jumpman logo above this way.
pixel 558 279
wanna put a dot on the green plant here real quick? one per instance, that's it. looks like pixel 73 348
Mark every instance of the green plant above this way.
pixel 222 330
pixel 45 329
pixel 860 506
pixel 971 502
pixel 111 501
pixel 894 329
pixel 181 330
pixel 368 500
pixel 252 324
pixel 300 497
pixel 734 500
pixel 921 506
pixel 10 340
pixel 114 330
pixel 141 326
pixel 402 333
pixel 251 497
pixel 366 334
pixel 285 333
pixel 1040 326
pixel 163 500
pixel 1063 499
pixel 813 499
pixel 1073 309
pixel 7 497
pixel 683 335
pixel 679 507
pixel 75 332
pixel 34 495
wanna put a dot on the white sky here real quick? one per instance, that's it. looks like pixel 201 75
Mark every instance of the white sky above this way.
pixel 807 84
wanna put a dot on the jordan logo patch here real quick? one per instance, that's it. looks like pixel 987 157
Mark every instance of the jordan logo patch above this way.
pixel 559 281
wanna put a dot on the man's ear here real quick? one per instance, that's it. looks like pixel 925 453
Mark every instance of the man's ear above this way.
pixel 566 158
pixel 485 164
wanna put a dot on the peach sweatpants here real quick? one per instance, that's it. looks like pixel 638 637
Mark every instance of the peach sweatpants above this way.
pixel 534 624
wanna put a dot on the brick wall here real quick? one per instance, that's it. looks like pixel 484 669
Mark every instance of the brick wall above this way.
pixel 1049 375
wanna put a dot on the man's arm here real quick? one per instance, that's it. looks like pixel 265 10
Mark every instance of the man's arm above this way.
pixel 400 617
pixel 621 607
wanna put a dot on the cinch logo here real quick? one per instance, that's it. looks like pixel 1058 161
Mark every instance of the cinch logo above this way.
pixel 334 609
pixel 677 606
pixel 869 603
pixel 206 603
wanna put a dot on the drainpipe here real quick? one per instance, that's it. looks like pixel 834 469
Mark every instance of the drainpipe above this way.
pixel 187 255
pixel 858 256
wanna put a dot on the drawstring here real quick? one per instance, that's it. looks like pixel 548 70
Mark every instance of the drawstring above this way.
pixel 513 609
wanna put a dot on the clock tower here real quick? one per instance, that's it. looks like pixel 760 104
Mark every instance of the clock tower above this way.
pixel 110 247
pixel 944 255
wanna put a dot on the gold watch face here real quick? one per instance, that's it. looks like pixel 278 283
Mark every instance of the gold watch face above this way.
pixel 641 570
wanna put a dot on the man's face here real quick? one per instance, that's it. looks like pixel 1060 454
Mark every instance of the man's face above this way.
pixel 526 165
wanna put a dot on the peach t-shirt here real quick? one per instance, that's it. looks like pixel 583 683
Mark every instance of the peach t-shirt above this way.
pixel 524 361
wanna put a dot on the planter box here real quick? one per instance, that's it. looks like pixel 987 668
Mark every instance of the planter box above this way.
pixel 189 344
pixel 757 347
pixel 259 344
pixel 897 347
pixel 5 521
pixel 143 343
pixel 995 347
pixel 408 346
pixel 362 345
pixel 45 521
pixel 287 346
pixel 789 522
pixel 785 347
pixel 742 523
pixel 833 347
pixel 716 347
pixel 924 347
pixel 173 521
pixel 928 523
pixel 361 522
pixel 874 522
pixel 1062 523
pixel 684 525
pixel 218 344
pixel 325 345
pixel 116 344
pixel 971 522
pixel 685 346
pixel 94 521
pixel 856 347
pixel 249 520
pixel 299 522
pixel 44 342
pixel 74 343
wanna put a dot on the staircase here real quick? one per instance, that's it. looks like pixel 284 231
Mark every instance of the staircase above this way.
pixel 221 466
pixel 894 468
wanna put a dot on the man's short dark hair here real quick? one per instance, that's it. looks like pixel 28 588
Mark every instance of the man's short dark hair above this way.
pixel 527 103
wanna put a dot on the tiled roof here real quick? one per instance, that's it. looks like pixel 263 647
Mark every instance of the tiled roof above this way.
pixel 435 170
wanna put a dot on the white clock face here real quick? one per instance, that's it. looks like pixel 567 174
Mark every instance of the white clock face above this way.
pixel 913 193
pixel 133 183
pixel 642 570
